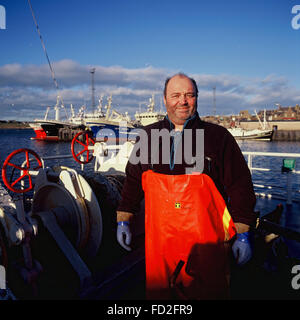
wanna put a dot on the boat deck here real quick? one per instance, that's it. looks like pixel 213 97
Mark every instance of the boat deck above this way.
pixel 269 275
pixel 290 219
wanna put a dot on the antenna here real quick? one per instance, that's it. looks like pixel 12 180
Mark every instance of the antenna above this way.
pixel 93 88
pixel 214 101
pixel 49 63
pixel 43 45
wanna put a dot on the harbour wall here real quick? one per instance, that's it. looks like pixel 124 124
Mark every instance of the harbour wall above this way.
pixel 283 130
pixel 286 135
pixel 289 125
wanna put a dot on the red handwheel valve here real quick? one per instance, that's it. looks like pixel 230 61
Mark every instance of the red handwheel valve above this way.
pixel 24 168
pixel 82 139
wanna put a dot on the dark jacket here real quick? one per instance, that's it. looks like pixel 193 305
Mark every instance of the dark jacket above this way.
pixel 223 162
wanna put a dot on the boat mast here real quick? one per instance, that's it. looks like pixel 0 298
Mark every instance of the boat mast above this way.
pixel 261 125
pixel 72 111
pixel 265 119
pixel 100 106
pixel 93 90
pixel 56 108
pixel 46 114
pixel 108 107
pixel 151 104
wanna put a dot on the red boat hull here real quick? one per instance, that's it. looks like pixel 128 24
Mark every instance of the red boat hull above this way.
pixel 48 130
pixel 40 134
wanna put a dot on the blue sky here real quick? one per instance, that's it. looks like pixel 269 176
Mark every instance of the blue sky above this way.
pixel 247 49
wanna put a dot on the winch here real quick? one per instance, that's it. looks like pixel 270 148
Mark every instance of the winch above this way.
pixel 58 229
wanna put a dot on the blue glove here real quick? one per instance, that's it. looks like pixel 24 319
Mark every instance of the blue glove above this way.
pixel 123 229
pixel 242 248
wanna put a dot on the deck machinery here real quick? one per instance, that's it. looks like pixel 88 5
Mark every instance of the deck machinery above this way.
pixel 57 232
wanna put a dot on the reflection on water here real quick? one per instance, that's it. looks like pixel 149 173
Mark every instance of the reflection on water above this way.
pixel 269 146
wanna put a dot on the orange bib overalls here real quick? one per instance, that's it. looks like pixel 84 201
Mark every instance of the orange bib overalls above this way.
pixel 186 225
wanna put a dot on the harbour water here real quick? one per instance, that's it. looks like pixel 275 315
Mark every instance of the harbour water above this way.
pixel 12 139
pixel 274 177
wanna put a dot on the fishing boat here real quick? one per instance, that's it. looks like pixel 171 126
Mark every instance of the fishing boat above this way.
pixel 55 129
pixel 150 115
pixel 255 134
pixel 263 133
pixel 83 116
pixel 108 124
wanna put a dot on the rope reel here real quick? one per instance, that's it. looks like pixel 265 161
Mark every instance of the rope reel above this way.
pixel 74 205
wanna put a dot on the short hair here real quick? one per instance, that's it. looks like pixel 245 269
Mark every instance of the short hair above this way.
pixel 180 74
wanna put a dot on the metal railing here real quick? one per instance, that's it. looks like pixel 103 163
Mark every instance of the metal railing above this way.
pixel 289 190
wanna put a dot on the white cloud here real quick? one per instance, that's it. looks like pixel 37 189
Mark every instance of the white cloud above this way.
pixel 26 90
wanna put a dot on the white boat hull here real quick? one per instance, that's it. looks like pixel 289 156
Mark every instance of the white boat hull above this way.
pixel 256 134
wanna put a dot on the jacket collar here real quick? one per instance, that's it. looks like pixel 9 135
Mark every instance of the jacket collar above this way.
pixel 189 123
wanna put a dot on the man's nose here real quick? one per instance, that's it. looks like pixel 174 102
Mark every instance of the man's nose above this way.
pixel 183 99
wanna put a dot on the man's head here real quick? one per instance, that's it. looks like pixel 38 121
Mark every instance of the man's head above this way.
pixel 180 98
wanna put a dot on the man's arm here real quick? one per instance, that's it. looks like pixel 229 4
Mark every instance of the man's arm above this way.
pixel 132 195
pixel 238 185
pixel 132 192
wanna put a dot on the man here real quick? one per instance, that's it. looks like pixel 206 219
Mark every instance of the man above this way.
pixel 189 218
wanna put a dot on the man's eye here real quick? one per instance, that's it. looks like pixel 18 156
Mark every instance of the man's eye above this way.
pixel 190 95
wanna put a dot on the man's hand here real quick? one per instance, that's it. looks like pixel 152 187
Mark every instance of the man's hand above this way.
pixel 123 230
pixel 242 248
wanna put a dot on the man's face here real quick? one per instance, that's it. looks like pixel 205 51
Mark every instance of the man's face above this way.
pixel 180 100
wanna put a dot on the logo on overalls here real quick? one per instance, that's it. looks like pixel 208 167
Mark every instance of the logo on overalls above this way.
pixel 177 205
